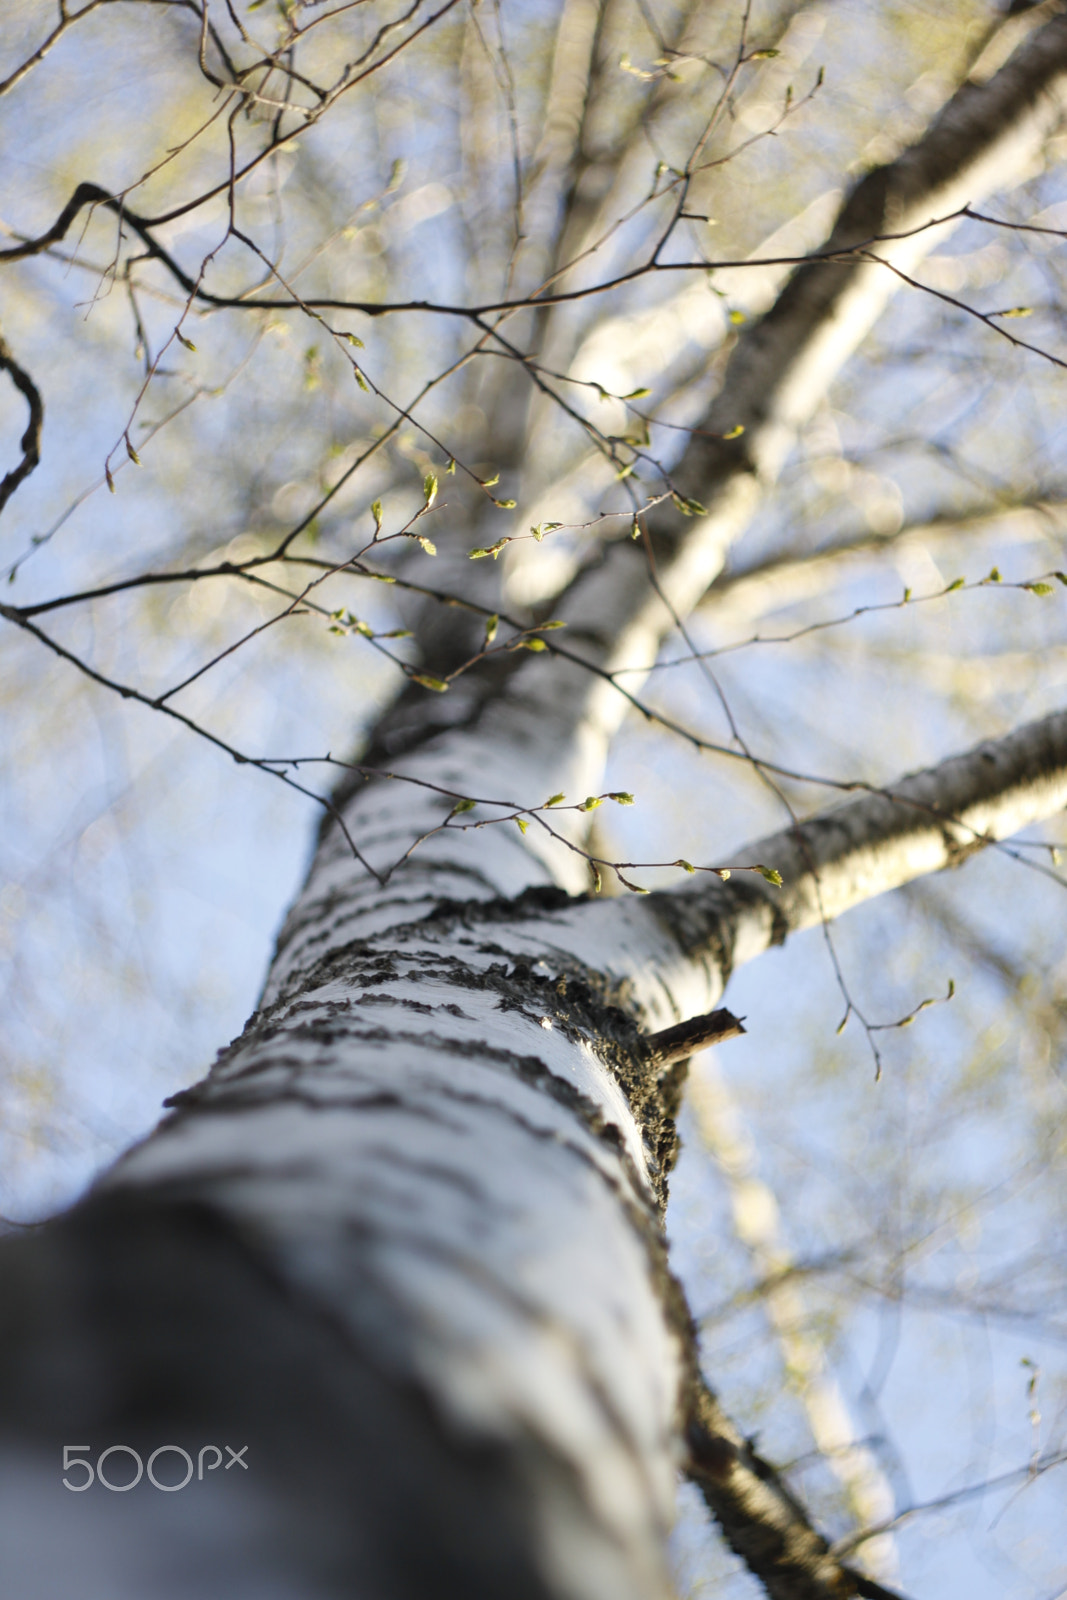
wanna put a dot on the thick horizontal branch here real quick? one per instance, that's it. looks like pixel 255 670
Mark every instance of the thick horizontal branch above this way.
pixel 674 950
pixel 921 824
pixel 886 838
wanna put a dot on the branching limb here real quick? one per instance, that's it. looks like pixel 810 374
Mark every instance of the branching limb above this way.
pixel 921 824
pixel 680 946
pixel 66 20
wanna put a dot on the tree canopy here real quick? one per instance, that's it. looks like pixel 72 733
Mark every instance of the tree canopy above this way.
pixel 365 362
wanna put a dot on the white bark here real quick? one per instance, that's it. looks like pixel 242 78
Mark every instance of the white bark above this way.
pixel 420 1169
pixel 672 953
pixel 434 1155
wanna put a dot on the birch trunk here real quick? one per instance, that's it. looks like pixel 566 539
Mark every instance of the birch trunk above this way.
pixel 404 1241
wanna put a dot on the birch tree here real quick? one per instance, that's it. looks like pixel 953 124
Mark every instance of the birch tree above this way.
pixel 400 1254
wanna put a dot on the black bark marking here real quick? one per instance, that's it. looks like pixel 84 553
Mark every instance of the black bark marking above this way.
pixel 579 1002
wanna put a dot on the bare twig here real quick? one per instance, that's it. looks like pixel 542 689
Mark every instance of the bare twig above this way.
pixel 30 443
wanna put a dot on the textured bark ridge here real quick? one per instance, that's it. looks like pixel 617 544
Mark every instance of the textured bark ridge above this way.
pixel 427 1178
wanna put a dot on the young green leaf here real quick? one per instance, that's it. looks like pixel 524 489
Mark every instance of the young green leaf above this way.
pixel 427 544
pixel 621 797
pixel 635 888
pixel 689 508
pixel 376 513
pixel 427 682
pixel 463 805
pixel 491 625
pixel 555 799
pixel 429 488
pixel 771 875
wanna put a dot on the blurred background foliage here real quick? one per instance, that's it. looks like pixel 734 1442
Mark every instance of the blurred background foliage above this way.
pixel 918 1223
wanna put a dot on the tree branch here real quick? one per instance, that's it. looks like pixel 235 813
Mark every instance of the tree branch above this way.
pixel 762 1520
pixel 616 611
pixel 674 950
pixel 30 443
pixel 699 1033
pixel 921 824
pixel 845 856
